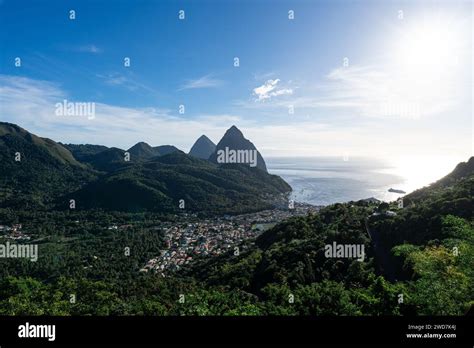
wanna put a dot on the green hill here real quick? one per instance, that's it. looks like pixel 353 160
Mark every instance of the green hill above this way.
pixel 108 160
pixel 160 183
pixel 44 171
pixel 99 177
pixel 142 151
pixel 59 152
pixel 83 151
pixel 166 149
pixel 425 253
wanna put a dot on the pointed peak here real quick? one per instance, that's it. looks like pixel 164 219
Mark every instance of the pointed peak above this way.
pixel 203 139
pixel 234 131
pixel 202 148
pixel 234 139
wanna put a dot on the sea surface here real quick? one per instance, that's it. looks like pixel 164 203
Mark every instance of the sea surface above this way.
pixel 327 180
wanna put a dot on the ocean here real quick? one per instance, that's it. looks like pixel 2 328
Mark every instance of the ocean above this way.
pixel 327 180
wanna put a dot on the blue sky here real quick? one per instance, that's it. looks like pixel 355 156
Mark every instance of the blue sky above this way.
pixel 386 94
pixel 167 52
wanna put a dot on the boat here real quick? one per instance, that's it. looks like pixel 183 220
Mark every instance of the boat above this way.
pixel 395 190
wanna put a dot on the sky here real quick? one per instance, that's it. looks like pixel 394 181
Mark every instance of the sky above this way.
pixel 389 79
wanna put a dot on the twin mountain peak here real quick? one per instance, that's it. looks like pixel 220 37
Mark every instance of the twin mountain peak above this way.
pixel 203 148
pixel 233 139
pixel 102 156
pixel 43 173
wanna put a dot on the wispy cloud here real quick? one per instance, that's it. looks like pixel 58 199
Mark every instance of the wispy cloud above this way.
pixel 364 91
pixel 128 81
pixel 260 76
pixel 88 49
pixel 113 79
pixel 31 104
pixel 384 91
pixel 270 89
pixel 206 81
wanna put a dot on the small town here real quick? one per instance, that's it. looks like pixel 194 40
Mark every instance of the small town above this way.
pixel 14 232
pixel 213 237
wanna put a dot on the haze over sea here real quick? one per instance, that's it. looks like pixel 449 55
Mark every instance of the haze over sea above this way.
pixel 327 180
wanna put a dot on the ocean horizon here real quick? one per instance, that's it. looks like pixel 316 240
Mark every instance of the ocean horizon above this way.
pixel 326 180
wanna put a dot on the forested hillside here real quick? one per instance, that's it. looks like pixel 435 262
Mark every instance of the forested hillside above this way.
pixel 39 173
pixel 418 261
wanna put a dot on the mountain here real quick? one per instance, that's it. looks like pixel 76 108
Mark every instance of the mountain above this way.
pixel 234 140
pixel 141 151
pixel 424 214
pixel 462 172
pixel 83 151
pixel 53 149
pixel 166 149
pixel 160 183
pixel 108 160
pixel 425 252
pixel 48 175
pixel 203 148
pixel 453 192
pixel 99 157
pixel 43 170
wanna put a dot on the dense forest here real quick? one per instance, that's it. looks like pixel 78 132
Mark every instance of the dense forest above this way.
pixel 419 260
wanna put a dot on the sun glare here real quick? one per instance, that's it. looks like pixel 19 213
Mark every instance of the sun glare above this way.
pixel 427 59
pixel 431 44
pixel 422 171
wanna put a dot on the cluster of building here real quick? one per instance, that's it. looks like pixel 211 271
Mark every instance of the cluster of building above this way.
pixel 186 241
pixel 207 238
pixel 14 232
pixel 386 213
pixel 119 227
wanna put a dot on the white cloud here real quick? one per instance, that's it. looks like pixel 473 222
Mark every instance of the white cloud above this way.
pixel 31 104
pixel 387 92
pixel 203 82
pixel 269 89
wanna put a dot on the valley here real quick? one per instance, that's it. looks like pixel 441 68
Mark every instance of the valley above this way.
pixel 146 233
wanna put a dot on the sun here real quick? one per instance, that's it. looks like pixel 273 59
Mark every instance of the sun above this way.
pixel 429 45
pixel 426 57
